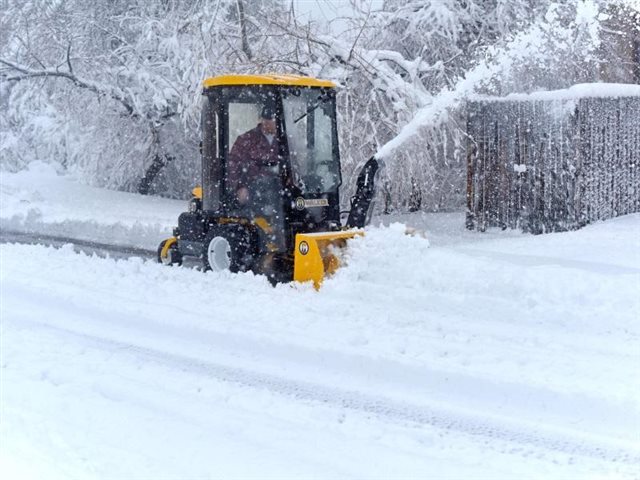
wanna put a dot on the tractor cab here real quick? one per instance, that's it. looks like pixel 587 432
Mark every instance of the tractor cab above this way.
pixel 270 172
pixel 289 175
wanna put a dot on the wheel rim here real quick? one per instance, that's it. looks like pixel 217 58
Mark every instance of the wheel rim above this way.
pixel 219 254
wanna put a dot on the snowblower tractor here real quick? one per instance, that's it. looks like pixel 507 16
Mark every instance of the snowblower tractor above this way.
pixel 269 197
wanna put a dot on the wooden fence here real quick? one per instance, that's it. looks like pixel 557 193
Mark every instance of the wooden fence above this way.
pixel 552 165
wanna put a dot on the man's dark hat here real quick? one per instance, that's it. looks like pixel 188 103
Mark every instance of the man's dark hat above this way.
pixel 269 112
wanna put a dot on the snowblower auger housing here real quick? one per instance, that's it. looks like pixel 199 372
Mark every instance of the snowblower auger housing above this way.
pixel 269 198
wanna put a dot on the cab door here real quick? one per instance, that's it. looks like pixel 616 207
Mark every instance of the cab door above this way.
pixel 212 161
pixel 254 161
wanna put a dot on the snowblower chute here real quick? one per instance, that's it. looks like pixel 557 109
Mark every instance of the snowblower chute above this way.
pixel 269 198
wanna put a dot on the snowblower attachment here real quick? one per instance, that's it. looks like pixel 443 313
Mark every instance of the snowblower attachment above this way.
pixel 318 254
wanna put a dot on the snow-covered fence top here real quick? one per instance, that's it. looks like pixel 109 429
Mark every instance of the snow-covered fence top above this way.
pixel 576 92
pixel 552 161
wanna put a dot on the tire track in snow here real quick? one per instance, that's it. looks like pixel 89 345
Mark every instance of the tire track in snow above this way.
pixel 86 246
pixel 381 407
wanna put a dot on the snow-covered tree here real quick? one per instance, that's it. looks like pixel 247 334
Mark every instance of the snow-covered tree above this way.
pixel 128 74
pixel 111 89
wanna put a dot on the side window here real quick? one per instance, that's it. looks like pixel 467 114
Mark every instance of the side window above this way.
pixel 242 118
pixel 326 166
pixel 295 108
pixel 323 134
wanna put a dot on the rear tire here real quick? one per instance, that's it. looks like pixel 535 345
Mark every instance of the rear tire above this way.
pixel 174 257
pixel 227 249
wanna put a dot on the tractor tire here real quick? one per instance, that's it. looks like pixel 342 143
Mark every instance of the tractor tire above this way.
pixel 228 248
pixel 174 257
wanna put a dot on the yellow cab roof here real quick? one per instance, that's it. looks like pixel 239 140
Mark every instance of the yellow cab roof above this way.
pixel 269 79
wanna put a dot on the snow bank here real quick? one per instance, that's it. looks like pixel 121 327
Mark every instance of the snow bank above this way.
pixel 41 201
pixel 38 200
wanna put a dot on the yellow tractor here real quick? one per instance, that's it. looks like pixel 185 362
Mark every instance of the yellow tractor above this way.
pixel 269 198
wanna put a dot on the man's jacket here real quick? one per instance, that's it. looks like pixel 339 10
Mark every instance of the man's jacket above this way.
pixel 250 156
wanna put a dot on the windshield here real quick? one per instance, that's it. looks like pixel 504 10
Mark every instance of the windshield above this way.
pixel 311 135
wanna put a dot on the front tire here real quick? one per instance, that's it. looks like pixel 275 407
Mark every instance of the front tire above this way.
pixel 173 256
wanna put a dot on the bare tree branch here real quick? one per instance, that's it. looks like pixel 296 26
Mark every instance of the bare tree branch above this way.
pixel 28 48
pixel 355 42
pixel 69 58
pixel 243 29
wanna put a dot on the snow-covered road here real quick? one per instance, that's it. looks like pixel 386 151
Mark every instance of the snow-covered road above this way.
pixel 491 360
pixel 495 355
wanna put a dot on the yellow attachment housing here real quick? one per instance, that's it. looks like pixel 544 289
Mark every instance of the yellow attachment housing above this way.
pixel 314 256
pixel 197 192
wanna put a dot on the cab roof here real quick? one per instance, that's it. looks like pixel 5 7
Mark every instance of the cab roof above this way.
pixel 270 79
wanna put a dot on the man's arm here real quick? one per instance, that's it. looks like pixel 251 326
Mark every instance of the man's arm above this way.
pixel 237 156
pixel 236 169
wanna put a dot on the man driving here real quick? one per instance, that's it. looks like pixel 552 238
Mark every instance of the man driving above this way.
pixel 253 154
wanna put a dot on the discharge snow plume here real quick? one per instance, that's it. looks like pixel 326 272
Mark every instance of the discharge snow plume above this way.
pixel 500 73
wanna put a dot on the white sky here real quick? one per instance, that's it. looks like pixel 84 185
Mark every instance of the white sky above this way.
pixel 327 10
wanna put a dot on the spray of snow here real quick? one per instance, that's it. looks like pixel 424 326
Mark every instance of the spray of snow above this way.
pixel 500 63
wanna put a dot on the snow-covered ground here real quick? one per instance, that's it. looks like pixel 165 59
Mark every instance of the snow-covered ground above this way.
pixel 472 355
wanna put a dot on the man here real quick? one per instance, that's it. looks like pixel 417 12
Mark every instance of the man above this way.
pixel 253 154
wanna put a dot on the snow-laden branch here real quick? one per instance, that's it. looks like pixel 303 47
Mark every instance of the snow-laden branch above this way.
pixel 97 88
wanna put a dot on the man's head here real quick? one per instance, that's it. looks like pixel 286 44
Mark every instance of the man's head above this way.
pixel 268 120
